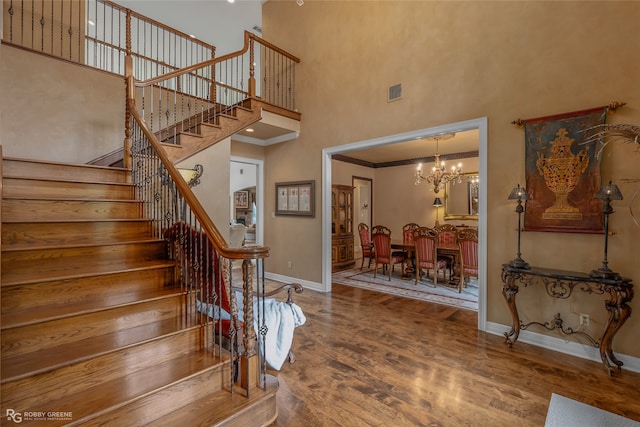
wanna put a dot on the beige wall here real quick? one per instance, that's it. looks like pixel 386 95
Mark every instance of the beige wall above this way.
pixel 54 110
pixel 458 61
pixel 213 190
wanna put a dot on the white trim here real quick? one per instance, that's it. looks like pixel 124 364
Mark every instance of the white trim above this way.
pixel 259 194
pixel 563 346
pixel 481 125
pixel 265 142
pixel 314 286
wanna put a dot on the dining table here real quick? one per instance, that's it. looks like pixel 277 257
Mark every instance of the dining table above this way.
pixel 409 248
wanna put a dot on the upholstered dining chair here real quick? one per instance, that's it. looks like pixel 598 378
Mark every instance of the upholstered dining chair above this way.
pixel 424 239
pixel 407 238
pixel 447 238
pixel 381 236
pixel 365 243
pixel 468 242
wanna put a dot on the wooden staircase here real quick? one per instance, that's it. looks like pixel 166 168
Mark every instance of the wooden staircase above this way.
pixel 194 135
pixel 93 323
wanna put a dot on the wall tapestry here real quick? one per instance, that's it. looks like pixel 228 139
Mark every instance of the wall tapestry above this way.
pixel 563 173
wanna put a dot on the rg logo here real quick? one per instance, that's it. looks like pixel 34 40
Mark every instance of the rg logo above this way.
pixel 14 416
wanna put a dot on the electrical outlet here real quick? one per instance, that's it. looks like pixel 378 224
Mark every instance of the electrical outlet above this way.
pixel 584 319
pixel 290 265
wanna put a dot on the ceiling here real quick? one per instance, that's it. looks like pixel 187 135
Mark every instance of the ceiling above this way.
pixel 461 145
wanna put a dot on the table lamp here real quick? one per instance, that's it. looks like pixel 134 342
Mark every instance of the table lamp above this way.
pixel 607 193
pixel 437 203
pixel 519 194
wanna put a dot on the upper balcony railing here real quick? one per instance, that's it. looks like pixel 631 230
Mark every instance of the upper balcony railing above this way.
pixel 94 33
pixel 100 34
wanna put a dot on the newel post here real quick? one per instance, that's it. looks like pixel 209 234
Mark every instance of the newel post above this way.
pixel 252 71
pixel 248 360
pixel 130 95
pixel 212 88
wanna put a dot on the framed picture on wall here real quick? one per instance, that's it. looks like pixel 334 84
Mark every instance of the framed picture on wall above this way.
pixel 242 199
pixel 295 198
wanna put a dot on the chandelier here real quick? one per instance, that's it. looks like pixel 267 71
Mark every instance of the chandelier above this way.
pixel 439 175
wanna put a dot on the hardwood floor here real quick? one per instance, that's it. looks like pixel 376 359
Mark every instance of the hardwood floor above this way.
pixel 369 359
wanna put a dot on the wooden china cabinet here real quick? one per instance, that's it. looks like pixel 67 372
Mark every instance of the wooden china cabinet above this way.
pixel 341 227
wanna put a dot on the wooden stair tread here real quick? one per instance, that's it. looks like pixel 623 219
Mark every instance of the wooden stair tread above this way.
pixel 69 199
pixel 217 408
pixel 130 386
pixel 58 311
pixel 37 362
pixel 105 242
pixel 23 277
pixel 66 180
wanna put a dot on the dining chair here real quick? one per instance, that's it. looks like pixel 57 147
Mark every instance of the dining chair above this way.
pixel 468 243
pixel 365 243
pixel 424 239
pixel 447 238
pixel 381 236
pixel 407 238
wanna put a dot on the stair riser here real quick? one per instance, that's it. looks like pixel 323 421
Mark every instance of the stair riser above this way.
pixel 38 188
pixel 75 378
pixel 40 260
pixel 150 408
pixel 38 234
pixel 17 168
pixel 57 333
pixel 14 210
pixel 39 300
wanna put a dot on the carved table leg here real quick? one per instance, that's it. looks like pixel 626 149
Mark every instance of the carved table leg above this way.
pixel 509 291
pixel 619 312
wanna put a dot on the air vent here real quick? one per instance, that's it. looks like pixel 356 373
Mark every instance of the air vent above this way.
pixel 395 92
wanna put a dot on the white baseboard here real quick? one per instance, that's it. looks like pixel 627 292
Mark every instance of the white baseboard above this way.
pixel 314 286
pixel 563 346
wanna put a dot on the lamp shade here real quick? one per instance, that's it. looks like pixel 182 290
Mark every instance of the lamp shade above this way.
pixel 518 193
pixel 609 191
pixel 437 202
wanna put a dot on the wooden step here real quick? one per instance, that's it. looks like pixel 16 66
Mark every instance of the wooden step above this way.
pixel 38 302
pixel 64 261
pixel 37 362
pixel 224 409
pixel 39 234
pixel 179 396
pixel 21 277
pixel 32 188
pixel 67 362
pixel 21 210
pixel 109 381
pixel 36 169
pixel 108 324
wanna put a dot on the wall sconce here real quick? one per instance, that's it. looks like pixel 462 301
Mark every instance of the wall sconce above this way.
pixel 519 194
pixel 438 204
pixel 607 193
pixel 192 176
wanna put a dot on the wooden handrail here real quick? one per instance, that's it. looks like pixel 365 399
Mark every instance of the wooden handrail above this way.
pixel 245 252
pixel 247 37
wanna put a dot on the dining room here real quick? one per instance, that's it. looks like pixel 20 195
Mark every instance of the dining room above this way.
pixel 387 192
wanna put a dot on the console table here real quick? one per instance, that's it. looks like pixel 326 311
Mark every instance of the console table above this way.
pixel 560 284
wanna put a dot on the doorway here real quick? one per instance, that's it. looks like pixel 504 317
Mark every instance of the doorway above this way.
pixel 475 124
pixel 247 178
pixel 363 207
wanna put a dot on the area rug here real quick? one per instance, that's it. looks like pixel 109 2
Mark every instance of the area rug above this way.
pixel 424 291
pixel 565 412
